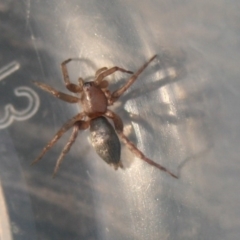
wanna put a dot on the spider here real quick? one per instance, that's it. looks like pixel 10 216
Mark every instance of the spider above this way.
pixel 94 97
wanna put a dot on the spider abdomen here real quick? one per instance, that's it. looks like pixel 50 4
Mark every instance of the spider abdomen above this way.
pixel 105 141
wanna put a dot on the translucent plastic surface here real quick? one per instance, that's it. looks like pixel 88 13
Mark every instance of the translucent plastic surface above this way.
pixel 182 112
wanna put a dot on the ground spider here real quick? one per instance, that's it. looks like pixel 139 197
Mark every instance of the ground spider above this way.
pixel 94 98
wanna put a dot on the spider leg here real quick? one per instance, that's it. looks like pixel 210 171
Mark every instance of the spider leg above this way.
pixel 100 70
pixel 66 148
pixel 108 72
pixel 70 86
pixel 119 129
pixel 63 96
pixel 80 125
pixel 59 134
pixel 103 84
pixel 116 94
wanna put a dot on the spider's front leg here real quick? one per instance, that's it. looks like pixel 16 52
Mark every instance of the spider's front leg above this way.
pixel 104 72
pixel 70 86
pixel 119 129
pixel 100 70
pixel 116 94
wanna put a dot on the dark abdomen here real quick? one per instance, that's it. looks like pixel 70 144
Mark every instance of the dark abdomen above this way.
pixel 105 141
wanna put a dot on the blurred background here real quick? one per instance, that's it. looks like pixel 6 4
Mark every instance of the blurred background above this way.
pixel 182 112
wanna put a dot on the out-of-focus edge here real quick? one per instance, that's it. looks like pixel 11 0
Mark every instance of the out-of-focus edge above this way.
pixel 5 227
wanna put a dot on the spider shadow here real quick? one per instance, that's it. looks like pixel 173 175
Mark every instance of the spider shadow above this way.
pixel 162 66
pixel 197 156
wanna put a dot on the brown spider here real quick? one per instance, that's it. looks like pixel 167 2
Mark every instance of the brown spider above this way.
pixel 94 98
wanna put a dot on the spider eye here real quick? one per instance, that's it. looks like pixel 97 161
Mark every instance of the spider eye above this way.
pixel 88 84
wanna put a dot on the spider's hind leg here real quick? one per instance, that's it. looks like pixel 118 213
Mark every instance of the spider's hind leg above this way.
pixel 131 146
pixel 58 135
pixel 80 125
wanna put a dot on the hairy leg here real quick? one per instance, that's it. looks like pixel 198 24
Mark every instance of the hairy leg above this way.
pixel 110 71
pixel 63 96
pixel 70 86
pixel 59 134
pixel 119 129
pixel 80 125
pixel 116 94
pixel 100 70
pixel 66 148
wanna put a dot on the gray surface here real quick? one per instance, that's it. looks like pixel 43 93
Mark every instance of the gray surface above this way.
pixel 183 113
